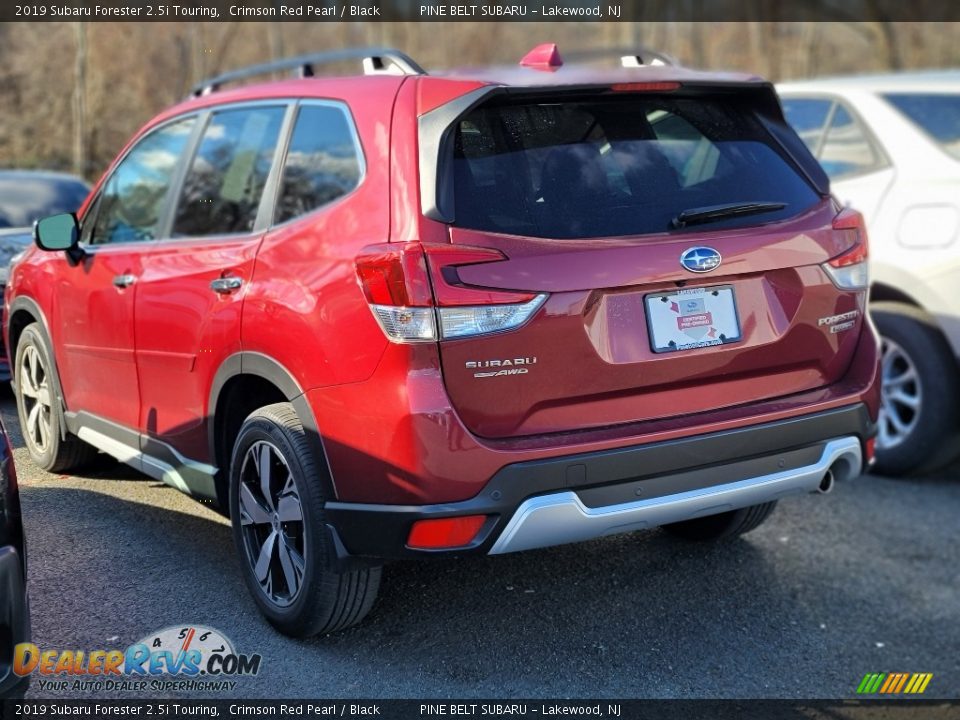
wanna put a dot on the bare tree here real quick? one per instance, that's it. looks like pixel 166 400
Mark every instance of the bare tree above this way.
pixel 124 73
pixel 80 161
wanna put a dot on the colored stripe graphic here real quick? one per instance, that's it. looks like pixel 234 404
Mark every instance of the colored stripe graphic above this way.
pixel 892 680
pixel 890 683
pixel 870 683
pixel 894 683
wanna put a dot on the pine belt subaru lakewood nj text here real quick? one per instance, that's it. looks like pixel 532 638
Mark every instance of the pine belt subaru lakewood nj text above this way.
pixel 409 315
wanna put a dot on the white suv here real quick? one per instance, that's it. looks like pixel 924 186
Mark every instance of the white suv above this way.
pixel 891 145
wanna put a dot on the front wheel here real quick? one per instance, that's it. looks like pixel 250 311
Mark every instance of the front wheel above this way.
pixel 722 525
pixel 276 508
pixel 40 409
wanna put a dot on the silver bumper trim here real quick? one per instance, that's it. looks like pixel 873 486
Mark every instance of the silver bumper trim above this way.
pixel 561 517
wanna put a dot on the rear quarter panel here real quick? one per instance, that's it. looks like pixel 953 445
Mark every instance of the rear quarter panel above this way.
pixel 304 307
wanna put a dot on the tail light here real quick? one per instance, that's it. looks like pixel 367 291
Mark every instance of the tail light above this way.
pixel 416 296
pixel 849 270
pixel 394 280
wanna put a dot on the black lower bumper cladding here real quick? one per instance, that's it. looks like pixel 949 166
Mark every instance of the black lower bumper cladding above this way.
pixel 604 478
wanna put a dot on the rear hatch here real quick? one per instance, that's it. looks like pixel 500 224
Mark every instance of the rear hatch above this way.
pixel 673 247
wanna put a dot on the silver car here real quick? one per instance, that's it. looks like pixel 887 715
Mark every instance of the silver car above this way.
pixel 891 146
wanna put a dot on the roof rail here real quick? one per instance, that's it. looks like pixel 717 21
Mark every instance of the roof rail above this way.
pixel 375 61
pixel 629 57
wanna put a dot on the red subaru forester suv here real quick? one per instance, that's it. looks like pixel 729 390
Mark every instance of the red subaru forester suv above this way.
pixel 403 315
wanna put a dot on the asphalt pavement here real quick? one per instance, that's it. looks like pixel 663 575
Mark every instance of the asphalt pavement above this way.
pixel 865 579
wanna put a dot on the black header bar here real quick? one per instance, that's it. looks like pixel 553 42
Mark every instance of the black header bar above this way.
pixel 488 709
pixel 482 10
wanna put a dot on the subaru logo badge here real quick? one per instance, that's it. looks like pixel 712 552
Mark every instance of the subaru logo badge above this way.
pixel 700 259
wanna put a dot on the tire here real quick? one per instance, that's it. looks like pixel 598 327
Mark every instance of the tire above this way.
pixel 918 416
pixel 291 580
pixel 40 408
pixel 722 526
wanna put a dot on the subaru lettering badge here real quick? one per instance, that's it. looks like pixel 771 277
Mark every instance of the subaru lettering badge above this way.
pixel 700 259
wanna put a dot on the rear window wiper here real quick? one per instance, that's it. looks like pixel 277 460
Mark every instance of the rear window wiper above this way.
pixel 696 216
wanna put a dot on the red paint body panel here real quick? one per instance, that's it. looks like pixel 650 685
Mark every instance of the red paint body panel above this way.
pixel 431 93
pixel 184 332
pixel 408 424
pixel 304 307
pixel 92 327
pixel 594 363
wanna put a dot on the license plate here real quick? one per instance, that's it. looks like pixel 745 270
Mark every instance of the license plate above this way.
pixel 692 318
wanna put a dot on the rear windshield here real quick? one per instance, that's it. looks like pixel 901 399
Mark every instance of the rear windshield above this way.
pixel 937 115
pixel 621 165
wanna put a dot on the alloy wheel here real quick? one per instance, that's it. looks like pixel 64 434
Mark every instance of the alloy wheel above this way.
pixel 36 399
pixel 271 520
pixel 901 395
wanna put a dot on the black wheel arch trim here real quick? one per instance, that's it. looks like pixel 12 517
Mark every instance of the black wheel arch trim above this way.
pixel 30 306
pixel 265 367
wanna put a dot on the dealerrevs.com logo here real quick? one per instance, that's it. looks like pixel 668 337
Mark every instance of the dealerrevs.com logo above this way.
pixel 192 657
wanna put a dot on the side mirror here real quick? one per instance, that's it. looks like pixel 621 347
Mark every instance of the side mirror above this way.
pixel 57 232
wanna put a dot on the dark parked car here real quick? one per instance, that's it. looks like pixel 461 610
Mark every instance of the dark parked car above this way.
pixel 25 197
pixel 405 316
pixel 14 608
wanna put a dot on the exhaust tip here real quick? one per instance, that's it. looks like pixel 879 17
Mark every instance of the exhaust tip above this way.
pixel 826 484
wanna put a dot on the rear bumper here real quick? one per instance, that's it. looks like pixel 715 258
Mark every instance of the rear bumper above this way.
pixel 583 496
pixel 562 517
pixel 14 618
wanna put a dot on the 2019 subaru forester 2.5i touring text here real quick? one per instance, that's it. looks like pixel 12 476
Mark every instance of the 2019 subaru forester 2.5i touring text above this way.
pixel 408 315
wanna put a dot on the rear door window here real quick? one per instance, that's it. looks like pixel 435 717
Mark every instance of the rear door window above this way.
pixel 616 166
pixel 223 187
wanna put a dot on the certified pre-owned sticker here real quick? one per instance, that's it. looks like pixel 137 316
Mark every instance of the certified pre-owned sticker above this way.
pixel 841 322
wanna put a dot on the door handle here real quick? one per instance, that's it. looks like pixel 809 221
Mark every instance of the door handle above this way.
pixel 124 281
pixel 226 285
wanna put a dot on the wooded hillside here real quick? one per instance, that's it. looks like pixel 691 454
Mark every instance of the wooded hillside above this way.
pixel 72 93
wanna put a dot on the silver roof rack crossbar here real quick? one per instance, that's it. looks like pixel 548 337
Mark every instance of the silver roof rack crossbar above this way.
pixel 375 61
pixel 629 57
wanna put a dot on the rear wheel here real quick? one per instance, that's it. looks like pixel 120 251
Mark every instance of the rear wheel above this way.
pixel 918 413
pixel 724 525
pixel 276 507
pixel 40 408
